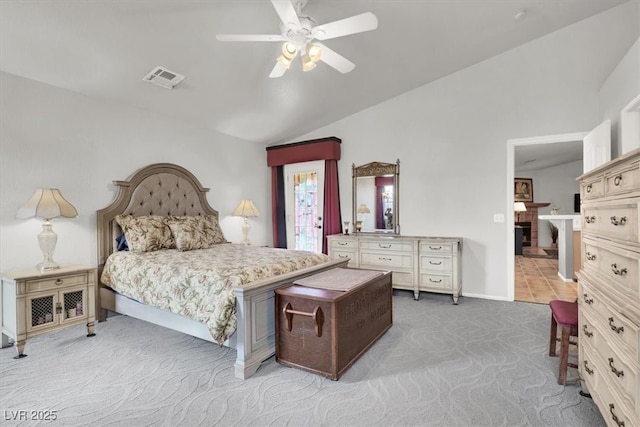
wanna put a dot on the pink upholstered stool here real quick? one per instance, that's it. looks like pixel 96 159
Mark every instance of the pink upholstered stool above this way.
pixel 565 314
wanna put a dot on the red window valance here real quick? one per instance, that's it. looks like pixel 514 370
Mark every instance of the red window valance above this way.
pixel 304 151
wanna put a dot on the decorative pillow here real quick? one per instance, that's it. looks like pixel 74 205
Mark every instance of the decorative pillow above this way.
pixel 213 230
pixel 121 243
pixel 146 233
pixel 210 225
pixel 189 234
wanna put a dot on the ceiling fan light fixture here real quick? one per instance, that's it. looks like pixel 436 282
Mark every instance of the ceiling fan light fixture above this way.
pixel 314 52
pixel 308 66
pixel 289 50
pixel 311 55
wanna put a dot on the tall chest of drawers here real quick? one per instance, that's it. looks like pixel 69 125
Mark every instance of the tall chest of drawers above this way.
pixel 430 264
pixel 609 288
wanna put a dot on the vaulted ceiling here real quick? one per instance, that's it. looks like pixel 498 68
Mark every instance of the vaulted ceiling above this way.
pixel 103 49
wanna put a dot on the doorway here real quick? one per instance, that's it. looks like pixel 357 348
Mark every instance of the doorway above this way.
pixel 304 205
pixel 510 217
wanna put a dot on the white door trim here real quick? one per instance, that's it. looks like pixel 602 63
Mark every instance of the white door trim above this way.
pixel 510 239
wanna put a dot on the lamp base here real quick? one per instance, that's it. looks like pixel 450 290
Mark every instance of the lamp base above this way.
pixel 245 232
pixel 47 265
pixel 47 240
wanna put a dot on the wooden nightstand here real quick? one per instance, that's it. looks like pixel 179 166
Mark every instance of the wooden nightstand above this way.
pixel 35 303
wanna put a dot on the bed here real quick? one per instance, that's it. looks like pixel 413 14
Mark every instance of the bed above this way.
pixel 241 315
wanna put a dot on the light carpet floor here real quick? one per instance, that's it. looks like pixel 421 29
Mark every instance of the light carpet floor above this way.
pixel 480 363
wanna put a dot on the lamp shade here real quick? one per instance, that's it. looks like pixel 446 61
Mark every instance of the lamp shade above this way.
pixel 363 209
pixel 246 208
pixel 47 203
pixel 519 207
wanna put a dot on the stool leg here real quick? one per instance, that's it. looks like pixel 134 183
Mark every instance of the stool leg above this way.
pixel 564 355
pixel 552 336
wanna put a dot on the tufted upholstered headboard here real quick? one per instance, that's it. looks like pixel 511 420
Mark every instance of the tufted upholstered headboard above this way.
pixel 158 189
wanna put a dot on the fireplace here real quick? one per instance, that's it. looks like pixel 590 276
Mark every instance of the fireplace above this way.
pixel 526 232
pixel 528 220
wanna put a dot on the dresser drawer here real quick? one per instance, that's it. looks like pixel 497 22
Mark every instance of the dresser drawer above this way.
pixel 436 248
pixel 436 282
pixel 612 324
pixel 621 375
pixel 622 181
pixel 387 245
pixel 589 367
pixel 619 267
pixel 612 221
pixel 593 189
pixel 588 332
pixel 55 283
pixel 386 260
pixel 402 279
pixel 441 264
pixel 350 255
pixel 343 243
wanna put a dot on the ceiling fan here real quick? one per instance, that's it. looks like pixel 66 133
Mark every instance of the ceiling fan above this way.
pixel 300 34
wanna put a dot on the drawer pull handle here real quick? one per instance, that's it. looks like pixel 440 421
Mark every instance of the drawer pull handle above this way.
pixel 433 248
pixel 613 327
pixel 587 300
pixel 435 281
pixel 384 246
pixel 343 243
pixel 614 370
pixel 59 282
pixel 617 180
pixel 589 188
pixel 435 263
pixel 343 256
pixel 589 219
pixel 614 416
pixel 590 256
pixel 615 221
pixel 586 332
pixel 586 368
pixel 618 271
pixel 316 315
pixel 384 259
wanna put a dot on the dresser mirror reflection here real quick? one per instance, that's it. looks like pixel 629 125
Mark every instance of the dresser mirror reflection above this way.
pixel 375 198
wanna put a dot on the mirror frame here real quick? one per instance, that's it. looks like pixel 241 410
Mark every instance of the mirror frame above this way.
pixel 377 169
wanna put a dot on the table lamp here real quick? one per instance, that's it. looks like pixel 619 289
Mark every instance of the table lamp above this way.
pixel 47 203
pixel 363 210
pixel 519 207
pixel 246 209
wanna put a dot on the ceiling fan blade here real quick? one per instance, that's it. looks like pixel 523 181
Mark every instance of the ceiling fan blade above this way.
pixel 335 60
pixel 250 37
pixel 278 70
pixel 356 24
pixel 286 12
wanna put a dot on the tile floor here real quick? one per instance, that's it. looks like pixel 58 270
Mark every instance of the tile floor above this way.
pixel 536 280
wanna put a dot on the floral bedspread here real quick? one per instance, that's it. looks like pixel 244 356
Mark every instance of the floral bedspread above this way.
pixel 199 284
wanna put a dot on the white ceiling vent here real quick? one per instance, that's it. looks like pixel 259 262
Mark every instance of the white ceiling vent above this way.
pixel 162 77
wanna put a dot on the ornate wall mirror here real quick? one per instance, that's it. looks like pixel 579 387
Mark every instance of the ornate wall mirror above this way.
pixel 375 197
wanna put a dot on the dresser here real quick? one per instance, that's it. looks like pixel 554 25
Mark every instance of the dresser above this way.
pixel 609 288
pixel 429 264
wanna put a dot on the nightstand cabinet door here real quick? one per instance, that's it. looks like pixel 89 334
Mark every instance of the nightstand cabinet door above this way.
pixel 45 310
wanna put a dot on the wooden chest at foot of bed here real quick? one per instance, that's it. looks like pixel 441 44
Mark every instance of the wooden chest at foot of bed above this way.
pixel 325 331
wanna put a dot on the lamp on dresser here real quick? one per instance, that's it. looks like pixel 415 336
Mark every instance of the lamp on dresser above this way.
pixel 47 203
pixel 246 209
pixel 363 210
